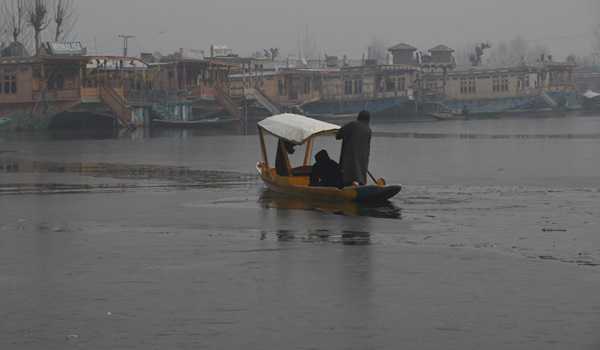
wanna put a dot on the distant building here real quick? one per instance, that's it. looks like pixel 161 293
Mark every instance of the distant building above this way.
pixel 403 54
pixel 148 57
pixel 332 61
pixel 441 54
pixel 220 51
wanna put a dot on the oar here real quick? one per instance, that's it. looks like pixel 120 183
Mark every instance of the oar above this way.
pixel 380 182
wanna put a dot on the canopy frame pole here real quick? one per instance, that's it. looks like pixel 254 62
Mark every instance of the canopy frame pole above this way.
pixel 286 157
pixel 263 147
pixel 308 154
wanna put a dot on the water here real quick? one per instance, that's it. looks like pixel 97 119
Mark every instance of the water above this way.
pixel 168 240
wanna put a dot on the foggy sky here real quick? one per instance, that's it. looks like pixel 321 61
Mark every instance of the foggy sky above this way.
pixel 338 26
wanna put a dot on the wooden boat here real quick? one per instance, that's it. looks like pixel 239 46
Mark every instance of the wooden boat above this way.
pixel 301 131
pixel 447 116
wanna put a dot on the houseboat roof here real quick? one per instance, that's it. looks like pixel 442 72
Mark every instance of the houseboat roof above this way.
pixel 192 61
pixel 402 46
pixel 251 75
pixel 115 63
pixel 65 49
pixel 441 48
pixel 42 59
pixel 485 70
pixel 295 128
pixel 14 49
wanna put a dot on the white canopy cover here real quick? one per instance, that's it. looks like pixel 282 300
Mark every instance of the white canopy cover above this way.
pixel 295 128
pixel 591 94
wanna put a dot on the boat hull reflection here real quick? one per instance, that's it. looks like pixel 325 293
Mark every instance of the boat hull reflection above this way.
pixel 274 200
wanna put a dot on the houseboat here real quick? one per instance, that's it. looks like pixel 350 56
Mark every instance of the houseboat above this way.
pixel 412 85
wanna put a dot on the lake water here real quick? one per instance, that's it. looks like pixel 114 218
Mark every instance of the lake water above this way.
pixel 167 239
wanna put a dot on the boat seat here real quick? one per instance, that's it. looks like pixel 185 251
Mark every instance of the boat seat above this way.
pixel 302 171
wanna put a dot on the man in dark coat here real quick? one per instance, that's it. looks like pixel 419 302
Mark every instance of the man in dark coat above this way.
pixel 325 172
pixel 356 149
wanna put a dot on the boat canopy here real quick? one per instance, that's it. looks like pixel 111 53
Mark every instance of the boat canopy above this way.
pixel 591 94
pixel 295 128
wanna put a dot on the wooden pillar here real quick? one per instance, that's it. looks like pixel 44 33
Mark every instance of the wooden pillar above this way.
pixel 308 154
pixel 263 147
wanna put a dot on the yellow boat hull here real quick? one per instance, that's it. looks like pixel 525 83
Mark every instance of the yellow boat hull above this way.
pixel 299 186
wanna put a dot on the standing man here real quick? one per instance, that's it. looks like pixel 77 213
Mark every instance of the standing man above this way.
pixel 356 149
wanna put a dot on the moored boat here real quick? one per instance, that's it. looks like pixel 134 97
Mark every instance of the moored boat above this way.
pixel 302 131
pixel 4 121
pixel 192 123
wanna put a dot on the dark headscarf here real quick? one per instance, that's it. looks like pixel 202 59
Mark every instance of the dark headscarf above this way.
pixel 322 156
pixel 364 117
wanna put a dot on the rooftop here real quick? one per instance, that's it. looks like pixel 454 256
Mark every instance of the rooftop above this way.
pixel 14 49
pixel 441 48
pixel 402 46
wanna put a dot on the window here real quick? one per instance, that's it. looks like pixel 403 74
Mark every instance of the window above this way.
pixel 307 86
pixel 10 84
pixel 500 84
pixel 472 86
pixel 281 87
pixel 56 82
pixel 468 86
pixel 348 87
pixel 402 84
pixel 358 87
pixel 504 85
pixel 463 86
pixel 390 85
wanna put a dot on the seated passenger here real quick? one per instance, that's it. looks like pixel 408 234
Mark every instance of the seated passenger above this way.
pixel 281 164
pixel 326 172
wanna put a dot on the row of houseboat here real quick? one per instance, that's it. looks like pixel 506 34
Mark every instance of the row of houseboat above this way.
pixel 412 88
pixel 65 83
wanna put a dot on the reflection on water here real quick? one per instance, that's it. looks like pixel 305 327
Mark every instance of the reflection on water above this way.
pixel 386 210
pixel 443 135
pixel 136 134
pixel 179 177
pixel 346 237
pixel 555 128
pixel 205 130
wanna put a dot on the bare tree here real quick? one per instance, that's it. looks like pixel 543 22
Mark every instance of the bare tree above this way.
pixel 13 17
pixel 377 50
pixel 64 18
pixel 476 58
pixel 271 53
pixel 38 19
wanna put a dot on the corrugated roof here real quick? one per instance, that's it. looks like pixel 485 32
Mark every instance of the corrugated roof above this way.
pixel 402 46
